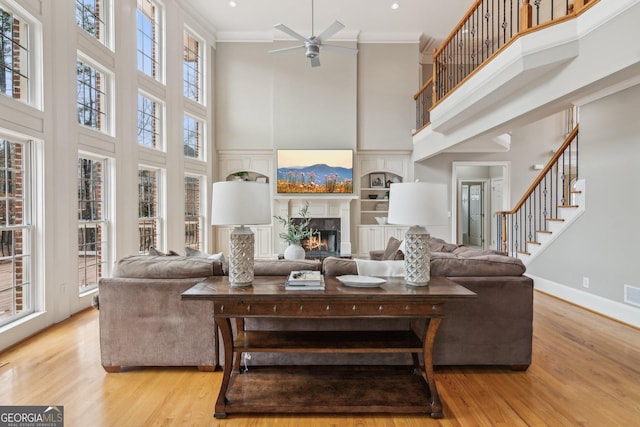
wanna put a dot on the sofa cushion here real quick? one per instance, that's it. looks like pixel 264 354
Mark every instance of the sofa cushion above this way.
pixel 334 266
pixel 475 262
pixel 155 252
pixel 282 267
pixel 166 267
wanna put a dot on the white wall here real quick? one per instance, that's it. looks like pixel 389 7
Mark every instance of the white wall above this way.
pixel 603 243
pixel 362 102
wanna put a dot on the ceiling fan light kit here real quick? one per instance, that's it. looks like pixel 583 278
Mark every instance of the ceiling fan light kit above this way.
pixel 313 43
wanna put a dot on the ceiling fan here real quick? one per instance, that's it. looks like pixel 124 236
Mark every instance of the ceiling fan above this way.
pixel 313 43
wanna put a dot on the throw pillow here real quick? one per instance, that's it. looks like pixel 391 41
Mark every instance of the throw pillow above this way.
pixel 153 251
pixel 197 253
pixel 392 251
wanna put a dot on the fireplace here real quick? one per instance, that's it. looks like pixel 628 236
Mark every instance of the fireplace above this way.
pixel 325 240
pixel 330 214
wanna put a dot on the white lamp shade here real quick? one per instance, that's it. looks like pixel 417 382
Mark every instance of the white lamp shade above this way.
pixel 413 203
pixel 240 203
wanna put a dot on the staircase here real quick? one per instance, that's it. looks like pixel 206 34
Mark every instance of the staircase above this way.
pixel 554 201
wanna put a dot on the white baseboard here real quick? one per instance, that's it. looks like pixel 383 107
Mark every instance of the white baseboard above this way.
pixel 621 312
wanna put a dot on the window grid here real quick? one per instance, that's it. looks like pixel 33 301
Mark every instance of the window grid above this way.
pixel 92 223
pixel 91 97
pixel 148 44
pixel 16 293
pixel 14 58
pixel 149 122
pixel 192 67
pixel 192 135
pixel 89 17
pixel 148 220
pixel 193 219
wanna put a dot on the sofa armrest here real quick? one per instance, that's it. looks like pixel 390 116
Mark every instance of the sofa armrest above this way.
pixel 377 254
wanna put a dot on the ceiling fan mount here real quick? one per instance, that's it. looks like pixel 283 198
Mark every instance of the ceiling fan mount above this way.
pixel 313 43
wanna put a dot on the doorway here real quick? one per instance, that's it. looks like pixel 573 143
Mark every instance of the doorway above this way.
pixel 472 213
pixel 479 190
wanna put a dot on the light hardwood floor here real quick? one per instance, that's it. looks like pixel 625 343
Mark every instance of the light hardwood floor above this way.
pixel 585 371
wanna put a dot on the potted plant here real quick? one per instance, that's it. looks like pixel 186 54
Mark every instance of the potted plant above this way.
pixel 295 231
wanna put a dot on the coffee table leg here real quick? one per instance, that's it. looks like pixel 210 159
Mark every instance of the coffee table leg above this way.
pixel 227 341
pixel 429 339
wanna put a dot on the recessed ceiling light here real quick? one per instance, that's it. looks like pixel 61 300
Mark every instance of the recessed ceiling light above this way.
pixel 395 5
pixel 232 3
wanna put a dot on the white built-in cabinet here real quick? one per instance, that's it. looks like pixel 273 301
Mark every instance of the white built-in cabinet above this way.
pixel 377 171
pixel 252 166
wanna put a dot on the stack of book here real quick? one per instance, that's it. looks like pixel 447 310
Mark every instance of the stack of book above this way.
pixel 305 280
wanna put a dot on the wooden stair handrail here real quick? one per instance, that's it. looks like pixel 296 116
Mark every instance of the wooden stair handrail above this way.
pixel 423 88
pixel 543 172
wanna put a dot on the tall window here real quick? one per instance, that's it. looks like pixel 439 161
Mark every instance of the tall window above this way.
pixel 193 219
pixel 192 67
pixel 91 97
pixel 149 122
pixel 92 223
pixel 192 135
pixel 16 288
pixel 14 58
pixel 149 38
pixel 148 210
pixel 91 16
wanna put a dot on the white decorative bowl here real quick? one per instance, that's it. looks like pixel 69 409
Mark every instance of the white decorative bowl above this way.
pixel 382 220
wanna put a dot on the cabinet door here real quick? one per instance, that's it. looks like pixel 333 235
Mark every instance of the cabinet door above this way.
pixel 397 232
pixel 371 238
pixel 262 247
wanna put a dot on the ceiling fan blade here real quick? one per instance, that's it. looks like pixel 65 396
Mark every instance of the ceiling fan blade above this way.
pixel 330 31
pixel 289 31
pixel 340 49
pixel 287 49
pixel 315 62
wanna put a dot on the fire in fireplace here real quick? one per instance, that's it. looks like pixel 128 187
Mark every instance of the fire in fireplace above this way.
pixel 325 240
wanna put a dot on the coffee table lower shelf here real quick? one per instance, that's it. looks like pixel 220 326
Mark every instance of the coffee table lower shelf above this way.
pixel 314 389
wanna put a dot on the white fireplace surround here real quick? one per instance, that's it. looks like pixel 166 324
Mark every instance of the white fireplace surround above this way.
pixel 338 206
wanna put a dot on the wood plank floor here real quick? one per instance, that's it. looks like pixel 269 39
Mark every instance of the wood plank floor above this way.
pixel 585 372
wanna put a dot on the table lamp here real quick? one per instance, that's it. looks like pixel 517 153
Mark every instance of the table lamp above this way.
pixel 240 203
pixel 410 203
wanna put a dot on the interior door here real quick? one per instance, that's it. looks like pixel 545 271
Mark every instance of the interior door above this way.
pixel 476 224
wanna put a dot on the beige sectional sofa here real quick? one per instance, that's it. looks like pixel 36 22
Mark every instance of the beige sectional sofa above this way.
pixel 144 322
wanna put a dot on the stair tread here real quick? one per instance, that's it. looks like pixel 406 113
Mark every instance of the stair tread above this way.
pixel 524 253
pixel 567 206
pixel 533 242
pixel 544 231
pixel 555 219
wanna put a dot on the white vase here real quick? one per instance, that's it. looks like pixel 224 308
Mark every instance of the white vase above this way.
pixel 294 251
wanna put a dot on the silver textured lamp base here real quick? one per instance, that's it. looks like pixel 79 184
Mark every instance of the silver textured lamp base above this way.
pixel 417 258
pixel 241 243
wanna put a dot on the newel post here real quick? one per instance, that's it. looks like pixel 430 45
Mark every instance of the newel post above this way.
pixel 526 13
pixel 579 4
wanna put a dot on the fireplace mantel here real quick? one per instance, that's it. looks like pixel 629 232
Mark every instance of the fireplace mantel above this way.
pixel 325 206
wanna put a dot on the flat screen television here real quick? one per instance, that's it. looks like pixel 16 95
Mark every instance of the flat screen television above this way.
pixel 314 171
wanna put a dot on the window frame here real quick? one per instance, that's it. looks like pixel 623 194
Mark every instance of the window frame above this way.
pixel 157 39
pixel 105 16
pixel 159 129
pixel 106 107
pixel 199 69
pixel 200 136
pixel 33 292
pixel 199 217
pixel 34 86
pixel 104 221
pixel 158 218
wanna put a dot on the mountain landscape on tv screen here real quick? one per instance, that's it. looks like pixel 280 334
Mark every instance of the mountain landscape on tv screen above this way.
pixel 318 178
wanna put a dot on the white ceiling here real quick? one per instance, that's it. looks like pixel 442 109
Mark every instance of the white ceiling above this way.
pixel 429 21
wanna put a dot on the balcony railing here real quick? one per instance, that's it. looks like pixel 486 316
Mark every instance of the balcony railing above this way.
pixel 487 28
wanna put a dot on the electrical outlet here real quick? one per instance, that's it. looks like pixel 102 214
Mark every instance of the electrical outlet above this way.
pixel 585 282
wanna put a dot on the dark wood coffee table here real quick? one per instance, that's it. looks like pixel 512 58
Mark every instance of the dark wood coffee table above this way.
pixel 329 389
